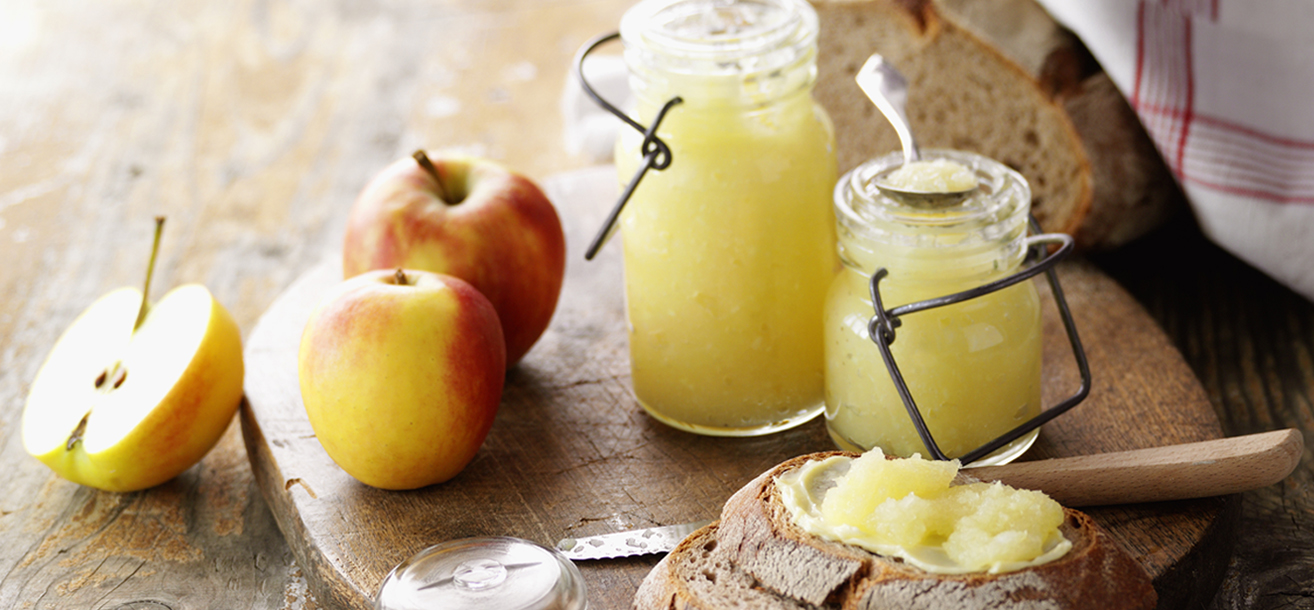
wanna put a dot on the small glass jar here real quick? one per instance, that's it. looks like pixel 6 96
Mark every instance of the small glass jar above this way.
pixel 728 252
pixel 972 368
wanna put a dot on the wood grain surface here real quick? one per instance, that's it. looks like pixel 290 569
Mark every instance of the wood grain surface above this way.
pixel 1250 341
pixel 252 125
pixel 572 453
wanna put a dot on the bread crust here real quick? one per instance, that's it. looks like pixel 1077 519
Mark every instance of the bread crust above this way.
pixel 1133 191
pixel 756 547
pixel 699 575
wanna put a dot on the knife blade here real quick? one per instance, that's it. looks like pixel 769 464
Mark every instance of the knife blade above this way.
pixel 628 543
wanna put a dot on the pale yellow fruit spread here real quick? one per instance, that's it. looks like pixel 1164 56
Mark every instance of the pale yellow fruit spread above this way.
pixel 729 250
pixel 909 509
pixel 728 254
pixel 933 176
pixel 725 301
pixel 972 368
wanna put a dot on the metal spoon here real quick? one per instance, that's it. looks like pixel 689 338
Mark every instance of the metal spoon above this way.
pixel 888 89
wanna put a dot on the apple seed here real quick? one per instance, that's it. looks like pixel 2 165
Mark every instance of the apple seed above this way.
pixel 117 373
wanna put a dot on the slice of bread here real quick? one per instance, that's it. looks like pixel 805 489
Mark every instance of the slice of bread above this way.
pixel 1133 191
pixel 756 557
pixel 963 94
pixel 1000 78
pixel 698 575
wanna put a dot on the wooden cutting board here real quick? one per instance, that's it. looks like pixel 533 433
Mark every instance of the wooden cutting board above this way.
pixel 572 454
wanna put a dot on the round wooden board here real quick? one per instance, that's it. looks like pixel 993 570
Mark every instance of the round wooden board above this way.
pixel 572 454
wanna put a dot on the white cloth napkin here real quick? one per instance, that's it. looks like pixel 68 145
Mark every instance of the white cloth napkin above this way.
pixel 1225 89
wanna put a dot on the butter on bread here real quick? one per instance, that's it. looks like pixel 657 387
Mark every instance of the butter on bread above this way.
pixel 1000 78
pixel 756 557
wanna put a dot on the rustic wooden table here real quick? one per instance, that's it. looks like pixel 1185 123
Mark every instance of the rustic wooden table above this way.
pixel 252 126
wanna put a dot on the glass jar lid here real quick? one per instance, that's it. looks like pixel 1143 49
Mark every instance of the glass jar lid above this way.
pixel 495 572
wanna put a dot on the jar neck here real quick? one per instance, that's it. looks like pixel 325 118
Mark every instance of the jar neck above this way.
pixel 960 266
pixel 720 53
pixel 978 240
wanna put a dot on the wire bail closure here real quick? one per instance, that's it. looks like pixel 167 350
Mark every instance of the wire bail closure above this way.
pixel 881 330
pixel 656 154
pixel 882 326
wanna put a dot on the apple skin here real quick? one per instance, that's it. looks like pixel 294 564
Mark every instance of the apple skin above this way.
pixel 183 385
pixel 401 381
pixel 503 236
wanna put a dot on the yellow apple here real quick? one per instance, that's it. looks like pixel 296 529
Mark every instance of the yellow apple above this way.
pixel 470 218
pixel 401 374
pixel 123 409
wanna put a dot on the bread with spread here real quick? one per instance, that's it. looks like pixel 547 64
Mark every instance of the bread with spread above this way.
pixel 1000 78
pixel 757 555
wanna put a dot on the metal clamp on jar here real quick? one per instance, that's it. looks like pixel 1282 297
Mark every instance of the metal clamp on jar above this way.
pixel 967 321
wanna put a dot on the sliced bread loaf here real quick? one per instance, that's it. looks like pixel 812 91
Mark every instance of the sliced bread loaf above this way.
pixel 756 557
pixel 1000 78
pixel 1133 191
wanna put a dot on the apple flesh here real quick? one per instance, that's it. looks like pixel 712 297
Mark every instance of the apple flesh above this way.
pixel 401 374
pixel 120 409
pixel 472 219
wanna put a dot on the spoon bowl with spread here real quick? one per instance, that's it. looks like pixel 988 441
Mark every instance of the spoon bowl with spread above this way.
pixel 932 184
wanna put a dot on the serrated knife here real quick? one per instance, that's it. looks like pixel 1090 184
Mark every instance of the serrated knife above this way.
pixel 628 543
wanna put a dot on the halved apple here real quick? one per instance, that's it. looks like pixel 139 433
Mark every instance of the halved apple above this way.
pixel 123 409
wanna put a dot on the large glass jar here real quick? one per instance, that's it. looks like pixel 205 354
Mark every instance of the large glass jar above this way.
pixel 973 368
pixel 728 252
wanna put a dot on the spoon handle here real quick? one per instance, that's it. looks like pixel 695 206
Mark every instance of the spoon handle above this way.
pixel 1175 472
pixel 886 87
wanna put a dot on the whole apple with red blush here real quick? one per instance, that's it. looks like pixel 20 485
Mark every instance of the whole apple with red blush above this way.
pixel 401 374
pixel 470 218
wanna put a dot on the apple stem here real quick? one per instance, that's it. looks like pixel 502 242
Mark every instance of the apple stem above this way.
pixel 400 277
pixel 428 166
pixel 150 271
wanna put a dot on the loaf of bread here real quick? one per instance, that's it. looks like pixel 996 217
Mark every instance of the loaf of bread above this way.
pixel 1000 78
pixel 755 557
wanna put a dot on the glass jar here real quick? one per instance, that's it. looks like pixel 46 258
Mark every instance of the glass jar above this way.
pixel 972 368
pixel 728 252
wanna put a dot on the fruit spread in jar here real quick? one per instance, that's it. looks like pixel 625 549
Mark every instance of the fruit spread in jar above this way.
pixel 933 176
pixel 909 509
pixel 972 368
pixel 729 250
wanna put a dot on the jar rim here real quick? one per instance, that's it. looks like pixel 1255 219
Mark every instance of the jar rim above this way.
pixel 738 37
pixel 1000 192
pixel 982 234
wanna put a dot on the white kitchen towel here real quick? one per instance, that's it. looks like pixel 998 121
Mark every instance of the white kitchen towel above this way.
pixel 1225 89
